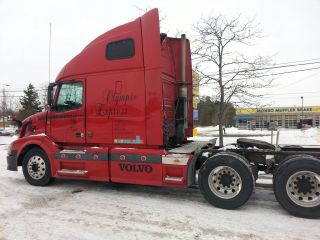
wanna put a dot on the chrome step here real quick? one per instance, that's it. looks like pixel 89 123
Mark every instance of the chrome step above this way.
pixel 72 151
pixel 175 179
pixel 72 172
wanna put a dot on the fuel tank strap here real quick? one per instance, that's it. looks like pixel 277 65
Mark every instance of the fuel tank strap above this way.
pixel 82 155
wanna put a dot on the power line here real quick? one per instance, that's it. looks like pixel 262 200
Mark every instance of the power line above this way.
pixel 23 95
pixel 37 89
pixel 268 68
pixel 288 97
pixel 299 80
pixel 280 73
pixel 307 60
pixel 290 93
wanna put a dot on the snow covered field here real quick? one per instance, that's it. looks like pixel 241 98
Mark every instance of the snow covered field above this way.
pixel 94 210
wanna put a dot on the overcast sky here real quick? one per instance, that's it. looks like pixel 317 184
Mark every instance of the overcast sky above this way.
pixel 291 29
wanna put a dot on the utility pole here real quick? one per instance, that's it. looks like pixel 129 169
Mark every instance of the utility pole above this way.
pixel 3 100
pixel 4 104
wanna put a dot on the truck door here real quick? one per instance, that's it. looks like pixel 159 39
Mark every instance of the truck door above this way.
pixel 67 118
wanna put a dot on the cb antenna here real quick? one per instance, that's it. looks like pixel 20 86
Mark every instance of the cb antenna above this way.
pixel 49 52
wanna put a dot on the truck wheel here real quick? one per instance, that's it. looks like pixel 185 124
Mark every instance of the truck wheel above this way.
pixel 297 186
pixel 226 180
pixel 283 161
pixel 36 167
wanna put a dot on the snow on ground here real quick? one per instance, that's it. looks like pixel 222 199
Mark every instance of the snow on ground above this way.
pixel 309 136
pixel 94 210
pixel 214 131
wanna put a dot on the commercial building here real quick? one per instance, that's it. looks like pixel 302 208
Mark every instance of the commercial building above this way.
pixel 5 122
pixel 284 117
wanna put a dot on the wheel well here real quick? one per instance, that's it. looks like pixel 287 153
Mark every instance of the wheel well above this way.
pixel 24 151
pixel 200 161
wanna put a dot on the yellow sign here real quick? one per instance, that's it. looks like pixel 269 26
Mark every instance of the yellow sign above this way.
pixel 277 110
pixel 195 132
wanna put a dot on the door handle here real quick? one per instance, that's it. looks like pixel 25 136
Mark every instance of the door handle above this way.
pixel 79 134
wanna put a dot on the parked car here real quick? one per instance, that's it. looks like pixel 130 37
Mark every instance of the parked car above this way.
pixel 7 131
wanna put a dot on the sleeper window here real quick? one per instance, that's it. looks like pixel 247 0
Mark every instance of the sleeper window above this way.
pixel 121 49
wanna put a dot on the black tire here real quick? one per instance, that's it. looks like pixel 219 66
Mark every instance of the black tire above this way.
pixel 238 165
pixel 283 161
pixel 284 179
pixel 248 142
pixel 36 167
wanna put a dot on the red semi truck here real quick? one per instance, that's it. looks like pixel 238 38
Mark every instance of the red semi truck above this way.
pixel 121 111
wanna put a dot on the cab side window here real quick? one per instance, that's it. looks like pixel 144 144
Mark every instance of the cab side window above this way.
pixel 121 49
pixel 70 96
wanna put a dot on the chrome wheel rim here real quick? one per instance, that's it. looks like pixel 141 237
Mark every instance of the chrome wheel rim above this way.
pixel 303 188
pixel 225 182
pixel 36 167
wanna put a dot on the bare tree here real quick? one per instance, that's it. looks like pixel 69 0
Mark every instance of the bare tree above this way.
pixel 12 103
pixel 174 33
pixel 233 76
pixel 143 10
pixel 43 93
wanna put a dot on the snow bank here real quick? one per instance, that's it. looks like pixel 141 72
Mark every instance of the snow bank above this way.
pixel 309 136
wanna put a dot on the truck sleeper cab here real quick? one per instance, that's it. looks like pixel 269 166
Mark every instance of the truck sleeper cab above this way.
pixel 115 110
pixel 121 111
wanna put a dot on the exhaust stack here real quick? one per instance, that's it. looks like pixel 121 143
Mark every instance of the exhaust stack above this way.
pixel 183 86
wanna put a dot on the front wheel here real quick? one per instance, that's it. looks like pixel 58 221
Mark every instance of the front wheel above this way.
pixel 226 180
pixel 297 186
pixel 36 167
